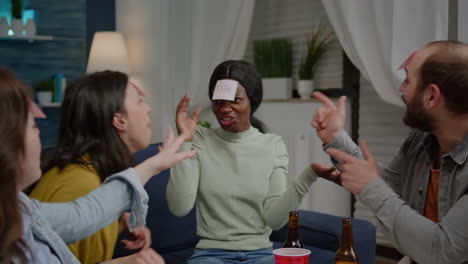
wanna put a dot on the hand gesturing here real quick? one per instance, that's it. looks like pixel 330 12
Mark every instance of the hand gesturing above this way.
pixel 167 157
pixel 356 173
pixel 329 118
pixel 168 154
pixel 186 125
pixel 140 238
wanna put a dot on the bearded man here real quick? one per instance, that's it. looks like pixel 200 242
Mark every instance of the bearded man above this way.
pixel 420 198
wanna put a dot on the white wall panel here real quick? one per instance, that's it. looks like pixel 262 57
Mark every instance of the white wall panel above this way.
pixel 463 20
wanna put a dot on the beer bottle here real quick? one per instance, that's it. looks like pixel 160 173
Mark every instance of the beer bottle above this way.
pixel 346 253
pixel 294 237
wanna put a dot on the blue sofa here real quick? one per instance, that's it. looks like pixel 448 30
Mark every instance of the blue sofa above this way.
pixel 175 237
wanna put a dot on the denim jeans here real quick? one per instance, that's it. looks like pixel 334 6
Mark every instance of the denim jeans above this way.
pixel 221 256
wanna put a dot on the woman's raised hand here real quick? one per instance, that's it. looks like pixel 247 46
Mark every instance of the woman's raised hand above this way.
pixel 186 125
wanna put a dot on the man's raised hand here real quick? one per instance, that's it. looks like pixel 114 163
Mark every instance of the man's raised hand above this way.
pixel 329 118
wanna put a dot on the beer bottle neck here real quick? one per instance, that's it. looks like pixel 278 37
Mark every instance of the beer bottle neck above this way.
pixel 346 236
pixel 294 238
pixel 293 233
pixel 293 226
pixel 293 222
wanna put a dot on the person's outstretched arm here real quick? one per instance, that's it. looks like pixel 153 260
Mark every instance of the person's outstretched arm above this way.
pixel 167 157
pixel 120 193
pixel 329 121
pixel 183 184
pixel 282 198
pixel 78 219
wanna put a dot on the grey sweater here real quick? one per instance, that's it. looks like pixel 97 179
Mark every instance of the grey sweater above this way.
pixel 398 196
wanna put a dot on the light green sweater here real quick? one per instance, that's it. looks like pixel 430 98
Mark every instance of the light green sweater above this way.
pixel 238 182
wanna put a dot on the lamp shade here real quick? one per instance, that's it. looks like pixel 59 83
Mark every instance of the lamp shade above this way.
pixel 108 52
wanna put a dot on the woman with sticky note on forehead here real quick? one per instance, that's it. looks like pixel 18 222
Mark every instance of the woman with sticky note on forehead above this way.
pixel 238 178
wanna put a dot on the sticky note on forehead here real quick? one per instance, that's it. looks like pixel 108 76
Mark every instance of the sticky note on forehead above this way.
pixel 139 91
pixel 35 110
pixel 225 90
pixel 407 61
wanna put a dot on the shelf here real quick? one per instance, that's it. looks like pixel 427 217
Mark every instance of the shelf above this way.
pixel 296 100
pixel 290 100
pixel 29 39
pixel 55 104
pixel 35 38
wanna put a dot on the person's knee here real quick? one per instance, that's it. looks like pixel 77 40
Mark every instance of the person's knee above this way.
pixel 205 257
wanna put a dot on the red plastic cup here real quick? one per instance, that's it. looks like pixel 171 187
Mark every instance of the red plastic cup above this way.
pixel 291 256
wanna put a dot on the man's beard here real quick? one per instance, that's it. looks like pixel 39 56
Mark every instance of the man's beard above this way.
pixel 416 117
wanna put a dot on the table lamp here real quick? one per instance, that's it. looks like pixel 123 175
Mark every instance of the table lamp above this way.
pixel 108 52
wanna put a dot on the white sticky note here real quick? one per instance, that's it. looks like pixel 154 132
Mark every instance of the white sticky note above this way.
pixel 400 74
pixel 225 90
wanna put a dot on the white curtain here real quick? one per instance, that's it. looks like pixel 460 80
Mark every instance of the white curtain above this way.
pixel 174 46
pixel 377 35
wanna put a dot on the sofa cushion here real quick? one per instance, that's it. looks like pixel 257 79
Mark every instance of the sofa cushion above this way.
pixel 178 256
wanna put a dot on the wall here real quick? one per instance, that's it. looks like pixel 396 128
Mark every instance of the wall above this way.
pixel 136 20
pixel 100 16
pixel 72 24
pixel 462 20
pixel 39 60
pixel 139 20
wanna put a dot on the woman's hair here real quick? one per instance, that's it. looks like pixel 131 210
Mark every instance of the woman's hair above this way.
pixel 246 74
pixel 86 127
pixel 14 110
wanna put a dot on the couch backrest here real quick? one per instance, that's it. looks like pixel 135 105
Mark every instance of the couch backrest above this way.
pixel 168 232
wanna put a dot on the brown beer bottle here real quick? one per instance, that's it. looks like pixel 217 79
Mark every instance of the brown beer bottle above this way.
pixel 294 236
pixel 346 253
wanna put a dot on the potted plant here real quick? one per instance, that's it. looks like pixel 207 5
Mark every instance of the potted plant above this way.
pixel 317 44
pixel 4 27
pixel 17 15
pixel 44 92
pixel 206 124
pixel 273 59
